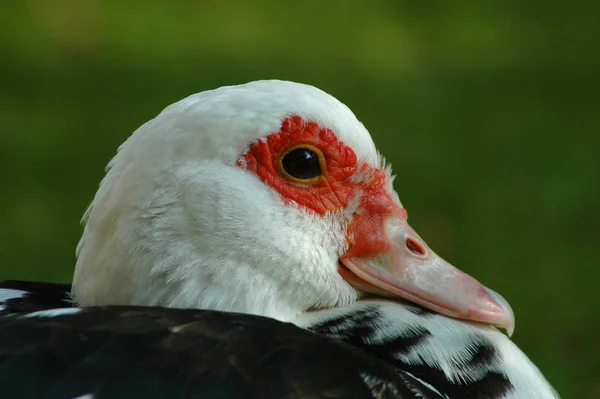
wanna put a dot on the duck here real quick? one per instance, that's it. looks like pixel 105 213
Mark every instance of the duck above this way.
pixel 248 242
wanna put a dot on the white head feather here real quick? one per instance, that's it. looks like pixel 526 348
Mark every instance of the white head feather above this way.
pixel 176 223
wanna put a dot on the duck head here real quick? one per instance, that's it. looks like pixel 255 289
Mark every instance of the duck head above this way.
pixel 267 198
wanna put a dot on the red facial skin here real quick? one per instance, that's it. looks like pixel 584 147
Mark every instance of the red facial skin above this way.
pixel 334 189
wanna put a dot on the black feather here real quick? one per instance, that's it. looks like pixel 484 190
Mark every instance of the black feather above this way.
pixel 124 352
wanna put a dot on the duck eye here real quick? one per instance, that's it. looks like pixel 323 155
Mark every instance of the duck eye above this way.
pixel 302 164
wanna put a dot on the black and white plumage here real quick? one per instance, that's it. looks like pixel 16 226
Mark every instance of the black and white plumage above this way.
pixel 203 209
pixel 390 351
pixel 130 352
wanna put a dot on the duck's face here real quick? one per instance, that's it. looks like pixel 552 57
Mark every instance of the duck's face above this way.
pixel 268 198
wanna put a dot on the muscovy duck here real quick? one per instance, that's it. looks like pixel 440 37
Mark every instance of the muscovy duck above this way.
pixel 248 242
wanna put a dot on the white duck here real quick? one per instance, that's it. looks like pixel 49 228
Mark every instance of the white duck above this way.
pixel 270 199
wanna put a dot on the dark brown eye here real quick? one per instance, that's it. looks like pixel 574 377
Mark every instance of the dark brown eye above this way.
pixel 302 164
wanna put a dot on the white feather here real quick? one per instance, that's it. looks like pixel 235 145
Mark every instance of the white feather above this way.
pixel 8 294
pixel 54 312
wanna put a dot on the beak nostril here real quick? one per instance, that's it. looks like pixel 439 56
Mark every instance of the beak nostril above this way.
pixel 415 247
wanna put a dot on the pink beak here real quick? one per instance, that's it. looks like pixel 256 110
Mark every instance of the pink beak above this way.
pixel 388 258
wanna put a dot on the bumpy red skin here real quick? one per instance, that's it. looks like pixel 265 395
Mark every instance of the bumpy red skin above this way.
pixel 336 187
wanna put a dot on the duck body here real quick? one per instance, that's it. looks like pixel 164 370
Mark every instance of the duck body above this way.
pixel 154 352
pixel 248 242
pixel 371 349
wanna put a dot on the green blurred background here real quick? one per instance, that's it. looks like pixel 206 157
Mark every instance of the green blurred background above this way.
pixel 488 112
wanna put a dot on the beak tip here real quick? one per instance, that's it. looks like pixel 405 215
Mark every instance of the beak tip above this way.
pixel 507 319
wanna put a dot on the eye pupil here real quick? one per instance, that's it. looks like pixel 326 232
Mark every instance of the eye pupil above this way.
pixel 302 163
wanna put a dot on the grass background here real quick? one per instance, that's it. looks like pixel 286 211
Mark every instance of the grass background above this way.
pixel 487 110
